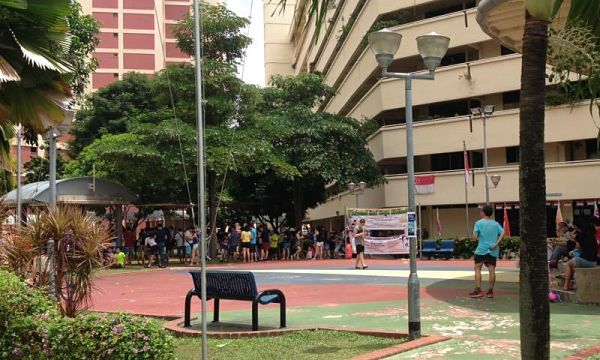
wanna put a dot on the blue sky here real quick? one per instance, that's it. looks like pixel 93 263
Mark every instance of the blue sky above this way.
pixel 254 71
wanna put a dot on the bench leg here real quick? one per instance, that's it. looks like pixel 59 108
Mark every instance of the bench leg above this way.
pixel 216 311
pixel 282 319
pixel 254 315
pixel 187 315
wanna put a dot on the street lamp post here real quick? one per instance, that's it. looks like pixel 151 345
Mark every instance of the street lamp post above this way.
pixel 357 189
pixel 432 48
pixel 488 110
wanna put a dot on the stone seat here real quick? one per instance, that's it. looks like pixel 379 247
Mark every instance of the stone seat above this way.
pixel 588 285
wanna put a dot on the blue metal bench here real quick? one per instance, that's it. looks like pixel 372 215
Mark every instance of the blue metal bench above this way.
pixel 233 285
pixel 429 248
pixel 446 249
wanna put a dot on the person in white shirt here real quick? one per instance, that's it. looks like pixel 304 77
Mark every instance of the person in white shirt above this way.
pixel 152 249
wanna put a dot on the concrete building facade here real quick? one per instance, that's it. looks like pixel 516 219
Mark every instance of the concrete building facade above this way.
pixel 476 71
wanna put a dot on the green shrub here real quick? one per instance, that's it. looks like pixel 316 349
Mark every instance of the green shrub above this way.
pixel 111 337
pixel 31 327
pixel 22 310
pixel 464 248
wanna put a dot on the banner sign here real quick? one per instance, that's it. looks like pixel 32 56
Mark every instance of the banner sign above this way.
pixel 387 245
pixel 379 219
pixel 411 229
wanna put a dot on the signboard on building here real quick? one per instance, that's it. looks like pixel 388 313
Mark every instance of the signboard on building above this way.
pixel 379 219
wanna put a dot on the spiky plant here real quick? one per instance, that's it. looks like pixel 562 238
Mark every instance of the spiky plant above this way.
pixel 78 247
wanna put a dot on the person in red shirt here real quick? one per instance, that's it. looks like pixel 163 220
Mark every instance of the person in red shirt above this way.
pixel 129 239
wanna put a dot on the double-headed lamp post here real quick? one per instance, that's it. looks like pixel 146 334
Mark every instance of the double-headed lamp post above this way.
pixel 432 48
pixel 487 111
pixel 357 189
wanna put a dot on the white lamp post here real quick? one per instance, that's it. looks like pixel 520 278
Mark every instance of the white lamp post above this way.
pixel 357 189
pixel 432 48
pixel 487 111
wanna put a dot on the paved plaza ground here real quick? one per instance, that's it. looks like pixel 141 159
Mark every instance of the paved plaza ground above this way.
pixel 333 293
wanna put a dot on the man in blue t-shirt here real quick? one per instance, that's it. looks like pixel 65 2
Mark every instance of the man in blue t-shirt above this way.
pixel 488 234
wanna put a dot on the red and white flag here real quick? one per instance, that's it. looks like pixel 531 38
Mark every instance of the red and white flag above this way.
pixel 559 217
pixel 506 224
pixel 439 223
pixel 467 167
pixel 425 184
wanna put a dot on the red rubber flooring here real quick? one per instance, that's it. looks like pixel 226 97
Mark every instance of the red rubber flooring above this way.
pixel 162 292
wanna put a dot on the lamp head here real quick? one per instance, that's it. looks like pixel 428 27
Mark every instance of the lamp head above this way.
pixel 496 179
pixel 432 47
pixel 351 186
pixel 476 111
pixel 384 44
pixel 489 110
pixel 362 185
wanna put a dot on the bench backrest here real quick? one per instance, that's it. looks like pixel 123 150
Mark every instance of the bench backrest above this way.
pixel 234 284
pixel 429 244
pixel 447 245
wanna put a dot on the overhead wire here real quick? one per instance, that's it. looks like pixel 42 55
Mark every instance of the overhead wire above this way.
pixel 172 100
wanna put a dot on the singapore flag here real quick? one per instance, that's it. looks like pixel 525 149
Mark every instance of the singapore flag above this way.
pixel 425 184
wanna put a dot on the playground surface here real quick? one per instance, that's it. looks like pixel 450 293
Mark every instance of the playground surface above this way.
pixel 331 293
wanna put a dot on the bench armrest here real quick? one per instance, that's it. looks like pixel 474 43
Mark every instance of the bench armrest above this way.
pixel 278 293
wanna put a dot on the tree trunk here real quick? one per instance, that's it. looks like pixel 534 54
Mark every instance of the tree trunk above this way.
pixel 533 295
pixel 212 212
pixel 298 205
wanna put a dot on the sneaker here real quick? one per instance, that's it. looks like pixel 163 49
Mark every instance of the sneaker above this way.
pixel 490 294
pixel 477 294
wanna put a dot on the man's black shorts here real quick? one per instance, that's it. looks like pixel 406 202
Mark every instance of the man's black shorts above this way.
pixel 486 259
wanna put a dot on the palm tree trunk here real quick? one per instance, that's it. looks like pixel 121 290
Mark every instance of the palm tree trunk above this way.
pixel 533 295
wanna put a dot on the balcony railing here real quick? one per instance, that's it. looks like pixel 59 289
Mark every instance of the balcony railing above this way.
pixel 563 123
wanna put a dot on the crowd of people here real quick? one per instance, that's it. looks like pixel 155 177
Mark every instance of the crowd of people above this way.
pixel 258 242
pixel 252 242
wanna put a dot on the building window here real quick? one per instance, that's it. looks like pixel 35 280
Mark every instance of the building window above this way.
pixel 591 149
pixel 447 161
pixel 512 155
pixel 505 51
pixel 511 99
pixel 476 159
pixel 450 9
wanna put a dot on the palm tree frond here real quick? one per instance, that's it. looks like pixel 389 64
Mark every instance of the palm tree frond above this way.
pixel 41 56
pixel 317 8
pixel 16 4
pixel 7 72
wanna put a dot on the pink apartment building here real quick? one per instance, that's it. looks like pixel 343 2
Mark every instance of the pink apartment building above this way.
pixel 130 37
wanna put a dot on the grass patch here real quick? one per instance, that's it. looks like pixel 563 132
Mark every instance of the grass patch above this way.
pixel 313 345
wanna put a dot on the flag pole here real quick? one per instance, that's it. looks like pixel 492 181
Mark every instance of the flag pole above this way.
pixel 466 191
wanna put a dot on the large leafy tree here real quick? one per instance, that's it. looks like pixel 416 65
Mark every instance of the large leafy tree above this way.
pixel 109 109
pixel 321 148
pixel 108 131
